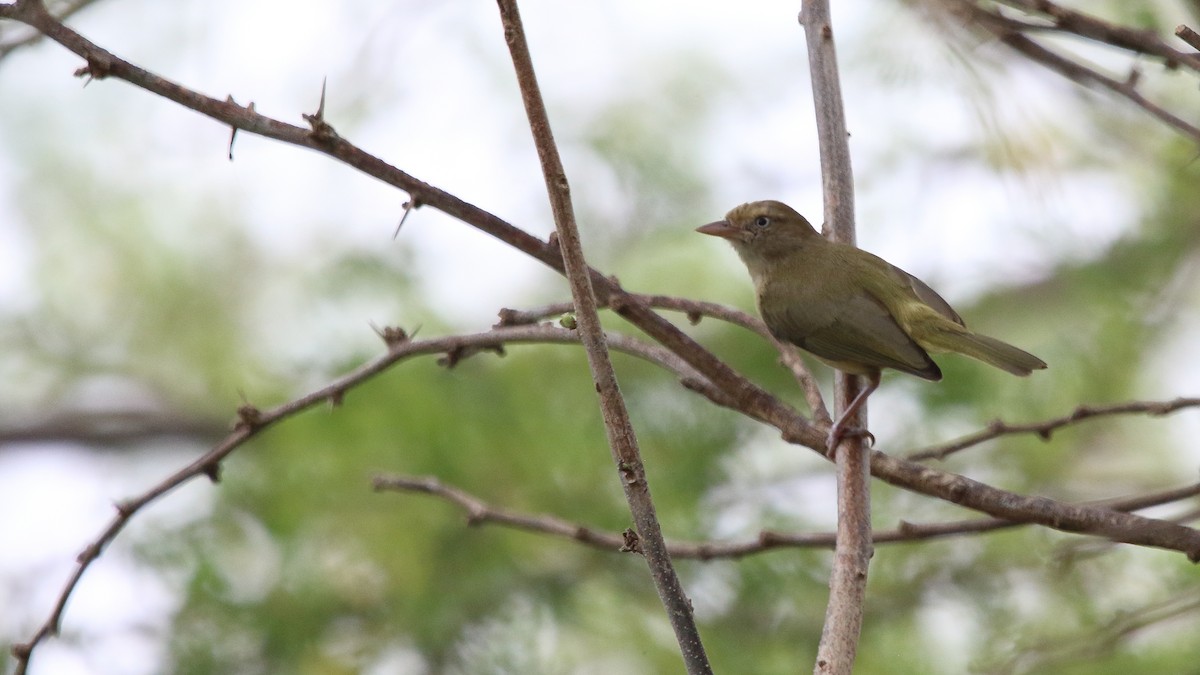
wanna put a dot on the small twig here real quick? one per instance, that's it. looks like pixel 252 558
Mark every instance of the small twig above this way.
pixel 621 437
pixel 1046 429
pixel 1188 35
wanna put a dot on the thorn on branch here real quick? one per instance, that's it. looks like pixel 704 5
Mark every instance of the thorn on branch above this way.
pixel 393 336
pixel 124 508
pixel 248 417
pixel 212 471
pixel 336 397
pixel 233 129
pixel 98 67
pixel 322 132
pixel 508 317
pixel 694 317
pixel 409 206
pixel 552 243
pixel 633 543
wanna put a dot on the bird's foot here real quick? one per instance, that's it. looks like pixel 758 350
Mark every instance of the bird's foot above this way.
pixel 839 433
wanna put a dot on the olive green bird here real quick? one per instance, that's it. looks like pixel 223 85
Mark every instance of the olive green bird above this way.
pixel 851 309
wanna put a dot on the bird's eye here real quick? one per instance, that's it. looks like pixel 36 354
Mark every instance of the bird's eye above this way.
pixel 762 221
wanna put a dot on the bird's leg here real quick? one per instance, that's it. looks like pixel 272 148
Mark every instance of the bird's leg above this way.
pixel 838 431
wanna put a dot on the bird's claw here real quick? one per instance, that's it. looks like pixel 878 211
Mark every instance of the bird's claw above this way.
pixel 838 434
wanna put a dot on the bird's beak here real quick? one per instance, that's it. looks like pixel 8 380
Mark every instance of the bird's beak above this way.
pixel 722 229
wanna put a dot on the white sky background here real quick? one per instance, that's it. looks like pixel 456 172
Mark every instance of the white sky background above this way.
pixel 426 85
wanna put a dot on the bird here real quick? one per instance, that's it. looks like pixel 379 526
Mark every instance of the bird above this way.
pixel 851 309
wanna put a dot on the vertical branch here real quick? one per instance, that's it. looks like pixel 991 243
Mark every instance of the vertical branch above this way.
pixel 621 438
pixel 848 579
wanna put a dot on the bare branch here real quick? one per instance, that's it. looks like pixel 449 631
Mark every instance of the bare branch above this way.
pixel 1046 429
pixel 479 512
pixel 621 437
pixel 1127 528
pixel 852 556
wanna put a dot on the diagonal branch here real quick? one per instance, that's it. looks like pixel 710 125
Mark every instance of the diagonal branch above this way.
pixel 622 440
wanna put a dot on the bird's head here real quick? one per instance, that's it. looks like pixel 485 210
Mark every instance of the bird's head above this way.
pixel 762 230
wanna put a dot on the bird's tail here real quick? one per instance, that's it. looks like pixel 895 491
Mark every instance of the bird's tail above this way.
pixel 987 349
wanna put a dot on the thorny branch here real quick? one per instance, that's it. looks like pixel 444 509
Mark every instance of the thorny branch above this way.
pixel 709 375
pixel 479 512
pixel 252 421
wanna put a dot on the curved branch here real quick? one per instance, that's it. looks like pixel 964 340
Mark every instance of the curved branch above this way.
pixel 622 440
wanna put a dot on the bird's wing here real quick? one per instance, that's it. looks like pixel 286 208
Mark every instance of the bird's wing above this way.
pixel 860 332
pixel 927 295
